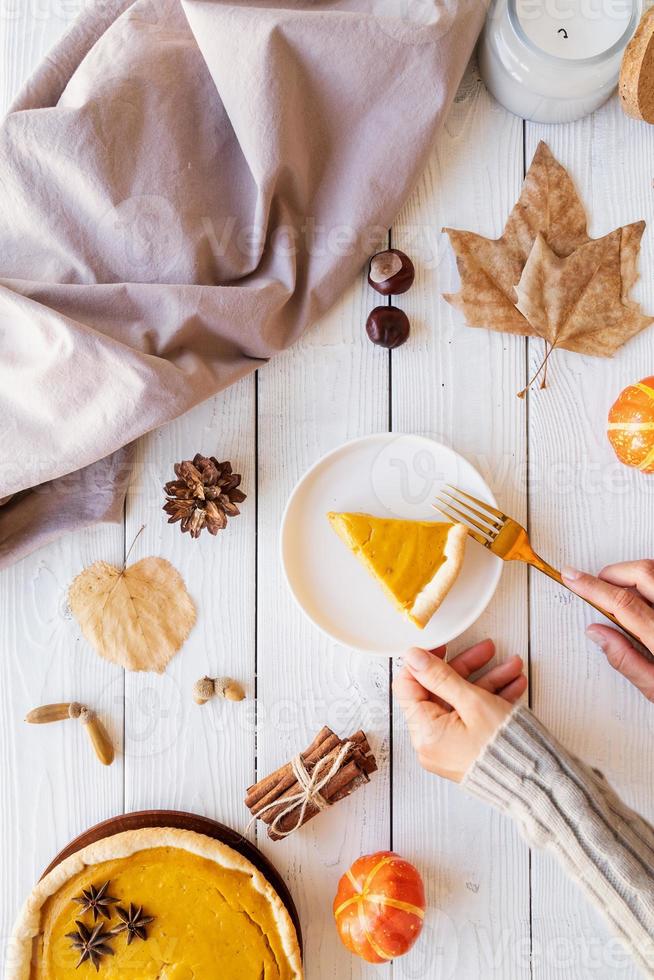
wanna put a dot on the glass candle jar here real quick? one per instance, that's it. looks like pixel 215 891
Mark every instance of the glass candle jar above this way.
pixel 555 60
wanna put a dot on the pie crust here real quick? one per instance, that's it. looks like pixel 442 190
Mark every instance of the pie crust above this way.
pixel 428 601
pixel 124 845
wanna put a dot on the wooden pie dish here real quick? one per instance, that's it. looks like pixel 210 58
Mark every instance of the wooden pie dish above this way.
pixel 185 821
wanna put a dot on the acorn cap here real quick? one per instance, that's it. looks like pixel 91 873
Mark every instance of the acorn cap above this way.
pixel 204 690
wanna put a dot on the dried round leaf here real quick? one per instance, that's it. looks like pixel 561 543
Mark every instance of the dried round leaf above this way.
pixel 137 617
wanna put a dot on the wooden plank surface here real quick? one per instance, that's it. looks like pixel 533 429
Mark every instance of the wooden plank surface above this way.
pixel 455 384
pixel 52 786
pixel 548 458
pixel 588 510
pixel 330 387
pixel 177 754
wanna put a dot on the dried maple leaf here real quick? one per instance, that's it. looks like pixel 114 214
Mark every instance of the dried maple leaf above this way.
pixel 576 302
pixel 490 268
pixel 549 207
pixel 137 617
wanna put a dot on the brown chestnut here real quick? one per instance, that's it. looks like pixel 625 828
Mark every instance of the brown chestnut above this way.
pixel 388 327
pixel 391 272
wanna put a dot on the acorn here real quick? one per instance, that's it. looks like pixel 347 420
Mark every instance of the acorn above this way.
pixel 391 272
pixel 223 687
pixel 62 710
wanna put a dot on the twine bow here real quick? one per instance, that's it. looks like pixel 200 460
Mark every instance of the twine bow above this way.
pixel 311 786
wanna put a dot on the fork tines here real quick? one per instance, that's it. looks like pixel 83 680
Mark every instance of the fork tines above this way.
pixel 487 520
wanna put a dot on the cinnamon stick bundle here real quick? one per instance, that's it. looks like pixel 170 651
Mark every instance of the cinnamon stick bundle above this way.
pixel 284 805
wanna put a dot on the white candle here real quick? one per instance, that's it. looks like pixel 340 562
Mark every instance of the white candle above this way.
pixel 574 29
pixel 555 60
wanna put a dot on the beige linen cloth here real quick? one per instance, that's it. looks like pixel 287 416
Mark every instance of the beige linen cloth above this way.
pixel 185 186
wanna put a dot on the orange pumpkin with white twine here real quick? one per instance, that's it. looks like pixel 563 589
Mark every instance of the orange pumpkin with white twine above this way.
pixel 380 907
pixel 631 426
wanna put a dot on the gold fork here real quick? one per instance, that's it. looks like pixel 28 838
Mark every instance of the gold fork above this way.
pixel 504 537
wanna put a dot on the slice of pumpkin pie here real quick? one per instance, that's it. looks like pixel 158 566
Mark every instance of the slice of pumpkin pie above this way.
pixel 415 562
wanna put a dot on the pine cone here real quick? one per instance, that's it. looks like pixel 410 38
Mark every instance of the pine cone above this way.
pixel 204 494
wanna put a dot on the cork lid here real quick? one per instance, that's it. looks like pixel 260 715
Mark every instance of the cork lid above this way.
pixel 637 72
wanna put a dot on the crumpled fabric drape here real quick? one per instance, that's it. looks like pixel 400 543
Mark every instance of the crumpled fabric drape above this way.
pixel 186 185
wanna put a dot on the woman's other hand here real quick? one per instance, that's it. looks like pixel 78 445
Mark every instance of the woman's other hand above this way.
pixel 450 719
pixel 627 591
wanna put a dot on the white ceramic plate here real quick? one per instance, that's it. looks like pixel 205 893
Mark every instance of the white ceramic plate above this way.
pixel 387 475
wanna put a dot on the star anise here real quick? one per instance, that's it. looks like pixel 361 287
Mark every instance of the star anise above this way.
pixel 97 901
pixel 91 943
pixel 204 494
pixel 133 923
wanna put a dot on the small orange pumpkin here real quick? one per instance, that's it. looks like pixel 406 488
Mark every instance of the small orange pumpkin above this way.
pixel 380 907
pixel 631 426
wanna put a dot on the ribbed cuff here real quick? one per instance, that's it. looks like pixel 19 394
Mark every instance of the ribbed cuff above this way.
pixel 521 756
pixel 562 805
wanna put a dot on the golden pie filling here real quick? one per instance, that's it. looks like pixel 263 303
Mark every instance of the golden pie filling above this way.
pixel 402 555
pixel 208 922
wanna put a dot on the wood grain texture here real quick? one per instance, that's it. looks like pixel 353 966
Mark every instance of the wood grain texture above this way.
pixel 52 784
pixel 179 754
pixel 458 385
pixel 450 382
pixel 588 510
pixel 331 387
pixel 27 32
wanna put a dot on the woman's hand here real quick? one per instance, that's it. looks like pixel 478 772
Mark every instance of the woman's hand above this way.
pixel 450 719
pixel 627 591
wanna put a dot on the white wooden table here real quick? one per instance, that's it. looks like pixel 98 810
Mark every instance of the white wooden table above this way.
pixel 495 909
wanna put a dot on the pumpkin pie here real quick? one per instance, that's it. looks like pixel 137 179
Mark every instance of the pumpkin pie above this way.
pixel 415 562
pixel 170 904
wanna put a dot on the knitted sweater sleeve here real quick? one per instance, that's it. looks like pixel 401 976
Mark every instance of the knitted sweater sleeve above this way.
pixel 563 806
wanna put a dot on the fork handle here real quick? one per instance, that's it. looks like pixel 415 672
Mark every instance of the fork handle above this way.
pixel 537 562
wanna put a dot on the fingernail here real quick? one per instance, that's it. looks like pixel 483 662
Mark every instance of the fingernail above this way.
pixel 570 573
pixel 596 636
pixel 417 659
